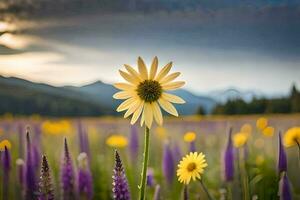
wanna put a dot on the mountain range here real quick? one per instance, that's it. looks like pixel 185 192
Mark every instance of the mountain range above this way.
pixel 24 97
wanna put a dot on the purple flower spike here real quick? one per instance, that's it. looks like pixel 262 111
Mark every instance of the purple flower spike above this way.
pixel 168 164
pixel 150 177
pixel 67 175
pixel 134 143
pixel 6 162
pixel 120 185
pixel 282 160
pixel 83 139
pixel 284 188
pixel 46 191
pixel 177 154
pixel 30 179
pixel 85 183
pixel 193 146
pixel 229 159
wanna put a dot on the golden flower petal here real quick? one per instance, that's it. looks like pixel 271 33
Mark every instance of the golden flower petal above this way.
pixel 137 113
pixel 142 69
pixel 142 116
pixel 124 86
pixel 132 108
pixel 129 78
pixel 132 71
pixel 153 68
pixel 126 104
pixel 157 113
pixel 167 106
pixel 148 114
pixel 123 95
pixel 173 85
pixel 172 98
pixel 164 71
pixel 169 78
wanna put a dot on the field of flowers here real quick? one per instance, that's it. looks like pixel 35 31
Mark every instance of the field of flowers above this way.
pixel 43 158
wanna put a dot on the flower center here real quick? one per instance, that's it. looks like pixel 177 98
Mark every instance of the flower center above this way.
pixel 149 90
pixel 191 167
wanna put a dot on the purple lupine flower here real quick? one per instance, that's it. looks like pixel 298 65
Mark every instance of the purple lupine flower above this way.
pixel 229 159
pixel 30 179
pixel 67 175
pixel 282 160
pixel 83 139
pixel 120 185
pixel 150 177
pixel 6 162
pixel 284 188
pixel 134 143
pixel 157 193
pixel 46 191
pixel 85 183
pixel 168 164
pixel 21 139
pixel 36 158
pixel 177 154
pixel 193 146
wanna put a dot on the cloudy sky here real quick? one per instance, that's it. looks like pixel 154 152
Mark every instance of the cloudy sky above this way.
pixel 210 53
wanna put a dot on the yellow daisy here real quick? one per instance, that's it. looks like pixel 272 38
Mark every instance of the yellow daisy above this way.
pixel 240 139
pixel 117 141
pixel 4 143
pixel 292 137
pixel 189 137
pixel 145 92
pixel 191 167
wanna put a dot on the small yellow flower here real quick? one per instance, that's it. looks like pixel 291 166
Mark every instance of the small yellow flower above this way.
pixel 145 92
pixel 239 139
pixel 292 137
pixel 191 167
pixel 268 131
pixel 189 137
pixel 259 160
pixel 246 128
pixel 117 141
pixel 56 127
pixel 262 123
pixel 161 132
pixel 4 143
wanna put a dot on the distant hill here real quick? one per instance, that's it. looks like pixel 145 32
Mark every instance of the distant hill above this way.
pixel 24 97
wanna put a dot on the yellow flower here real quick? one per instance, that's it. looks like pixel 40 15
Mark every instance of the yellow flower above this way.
pixel 161 132
pixel 4 143
pixel 292 137
pixel 117 141
pixel 259 160
pixel 268 131
pixel 189 136
pixel 57 127
pixel 246 128
pixel 145 92
pixel 191 167
pixel 262 123
pixel 239 139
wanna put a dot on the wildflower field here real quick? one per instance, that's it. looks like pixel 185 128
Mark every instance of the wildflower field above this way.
pixel 258 159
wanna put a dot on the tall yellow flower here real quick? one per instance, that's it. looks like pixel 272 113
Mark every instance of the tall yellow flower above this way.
pixel 240 139
pixel 292 137
pixel 189 136
pixel 268 131
pixel 117 141
pixel 145 92
pixel 262 123
pixel 191 167
pixel 5 143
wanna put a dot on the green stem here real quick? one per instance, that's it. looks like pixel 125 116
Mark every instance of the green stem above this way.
pixel 244 175
pixel 142 186
pixel 298 151
pixel 206 190
pixel 229 191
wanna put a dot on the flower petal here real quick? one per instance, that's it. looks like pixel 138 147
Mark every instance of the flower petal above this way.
pixel 172 98
pixel 123 95
pixel 132 108
pixel 142 69
pixel 137 113
pixel 173 85
pixel 153 68
pixel 148 114
pixel 128 77
pixel 126 104
pixel 167 106
pixel 132 71
pixel 157 113
pixel 124 86
pixel 169 78
pixel 143 116
pixel 164 71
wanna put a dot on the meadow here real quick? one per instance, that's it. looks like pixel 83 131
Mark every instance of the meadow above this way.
pixel 255 156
